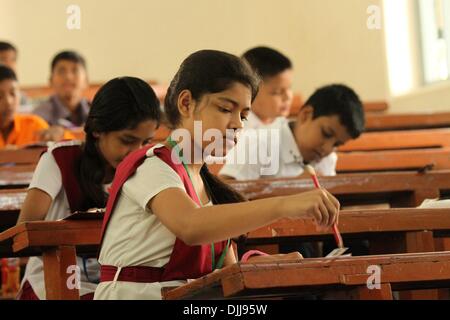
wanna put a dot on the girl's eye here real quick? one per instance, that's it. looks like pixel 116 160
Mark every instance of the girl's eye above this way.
pixel 126 142
pixel 224 110
pixel 244 118
pixel 326 134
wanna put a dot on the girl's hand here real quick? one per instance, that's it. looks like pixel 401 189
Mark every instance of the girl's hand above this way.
pixel 318 204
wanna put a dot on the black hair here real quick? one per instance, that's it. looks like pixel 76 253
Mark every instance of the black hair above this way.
pixel 7 73
pixel 5 46
pixel 72 56
pixel 209 71
pixel 340 100
pixel 267 62
pixel 122 103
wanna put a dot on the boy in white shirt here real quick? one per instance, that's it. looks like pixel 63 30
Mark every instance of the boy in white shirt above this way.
pixel 329 118
pixel 332 116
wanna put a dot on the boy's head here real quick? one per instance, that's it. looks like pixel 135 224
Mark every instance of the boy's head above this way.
pixel 9 96
pixel 274 97
pixel 329 118
pixel 68 75
pixel 8 55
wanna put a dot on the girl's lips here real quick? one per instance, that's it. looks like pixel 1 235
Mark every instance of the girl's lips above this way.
pixel 231 142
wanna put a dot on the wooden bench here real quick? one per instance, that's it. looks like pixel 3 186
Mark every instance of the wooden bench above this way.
pixel 392 160
pixel 399 189
pixel 21 156
pixel 392 121
pixel 348 275
pixel 396 140
pixel 16 176
pixel 58 242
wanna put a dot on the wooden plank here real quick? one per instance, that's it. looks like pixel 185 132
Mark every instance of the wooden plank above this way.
pixel 241 280
pixel 401 189
pixel 413 159
pixel 21 156
pixel 395 140
pixel 367 222
pixel 16 176
pixel 391 121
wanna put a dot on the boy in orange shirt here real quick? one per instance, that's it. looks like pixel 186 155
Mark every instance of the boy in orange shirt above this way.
pixel 18 129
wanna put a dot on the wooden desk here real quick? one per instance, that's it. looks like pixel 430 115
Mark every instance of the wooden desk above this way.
pixel 58 242
pixel 348 275
pixel 399 189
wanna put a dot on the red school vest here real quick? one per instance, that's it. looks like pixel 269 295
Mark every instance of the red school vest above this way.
pixel 186 262
pixel 67 158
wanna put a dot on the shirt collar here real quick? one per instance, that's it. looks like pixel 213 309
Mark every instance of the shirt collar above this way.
pixel 60 110
pixel 290 153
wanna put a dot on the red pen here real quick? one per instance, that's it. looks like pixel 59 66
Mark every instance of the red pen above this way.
pixel 337 234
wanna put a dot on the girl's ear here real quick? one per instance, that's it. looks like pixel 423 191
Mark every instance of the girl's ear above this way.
pixel 305 114
pixel 185 103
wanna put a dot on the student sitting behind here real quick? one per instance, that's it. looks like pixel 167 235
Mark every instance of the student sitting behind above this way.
pixel 274 98
pixel 8 57
pixel 16 129
pixel 67 107
pixel 332 116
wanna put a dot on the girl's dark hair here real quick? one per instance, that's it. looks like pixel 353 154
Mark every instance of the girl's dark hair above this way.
pixel 207 71
pixel 122 103
pixel 203 72
pixel 340 100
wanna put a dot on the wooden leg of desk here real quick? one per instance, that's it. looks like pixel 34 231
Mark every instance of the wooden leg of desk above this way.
pixel 364 293
pixel 443 244
pixel 415 198
pixel 420 241
pixel 56 263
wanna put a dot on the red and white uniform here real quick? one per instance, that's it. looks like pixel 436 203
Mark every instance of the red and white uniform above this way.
pixel 139 255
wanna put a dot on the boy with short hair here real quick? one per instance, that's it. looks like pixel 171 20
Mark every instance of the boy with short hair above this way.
pixel 16 129
pixel 67 107
pixel 332 116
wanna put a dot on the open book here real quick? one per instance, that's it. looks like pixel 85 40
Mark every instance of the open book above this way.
pixel 91 214
pixel 435 204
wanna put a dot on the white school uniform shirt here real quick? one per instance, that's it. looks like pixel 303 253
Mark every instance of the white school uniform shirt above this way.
pixel 135 236
pixel 47 177
pixel 275 157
